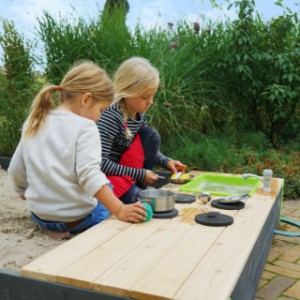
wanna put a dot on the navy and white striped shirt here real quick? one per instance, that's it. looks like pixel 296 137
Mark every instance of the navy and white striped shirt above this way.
pixel 114 143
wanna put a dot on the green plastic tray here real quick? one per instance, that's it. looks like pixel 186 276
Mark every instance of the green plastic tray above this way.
pixel 221 185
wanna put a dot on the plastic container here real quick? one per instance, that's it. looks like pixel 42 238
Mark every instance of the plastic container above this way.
pixel 221 185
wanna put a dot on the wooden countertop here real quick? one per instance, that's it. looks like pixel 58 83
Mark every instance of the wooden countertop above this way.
pixel 163 258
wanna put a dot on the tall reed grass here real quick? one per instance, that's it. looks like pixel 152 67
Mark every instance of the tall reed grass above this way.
pixel 220 81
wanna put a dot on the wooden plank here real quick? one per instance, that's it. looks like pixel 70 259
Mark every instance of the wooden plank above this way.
pixel 106 255
pixel 135 265
pixel 167 275
pixel 170 246
pixel 216 275
pixel 161 259
pixel 49 265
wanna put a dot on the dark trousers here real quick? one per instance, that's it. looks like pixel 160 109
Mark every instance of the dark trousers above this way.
pixel 151 143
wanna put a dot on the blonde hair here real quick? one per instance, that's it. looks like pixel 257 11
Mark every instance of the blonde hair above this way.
pixel 132 79
pixel 83 77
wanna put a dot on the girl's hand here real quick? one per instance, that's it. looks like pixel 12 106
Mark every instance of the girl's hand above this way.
pixel 134 213
pixel 150 177
pixel 172 165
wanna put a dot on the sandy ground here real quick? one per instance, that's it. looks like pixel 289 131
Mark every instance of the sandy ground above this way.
pixel 20 239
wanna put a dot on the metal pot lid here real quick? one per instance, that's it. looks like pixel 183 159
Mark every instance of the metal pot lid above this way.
pixel 157 193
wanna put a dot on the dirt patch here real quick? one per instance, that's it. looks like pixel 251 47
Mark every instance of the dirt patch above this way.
pixel 20 239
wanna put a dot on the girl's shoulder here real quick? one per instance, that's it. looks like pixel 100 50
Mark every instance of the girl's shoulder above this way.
pixel 113 111
pixel 143 118
pixel 114 108
pixel 68 117
pixel 111 115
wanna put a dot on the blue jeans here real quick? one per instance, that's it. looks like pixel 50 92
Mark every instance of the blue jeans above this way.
pixel 97 215
pixel 151 142
pixel 131 196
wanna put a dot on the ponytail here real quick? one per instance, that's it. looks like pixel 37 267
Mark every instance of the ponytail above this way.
pixel 83 77
pixel 39 110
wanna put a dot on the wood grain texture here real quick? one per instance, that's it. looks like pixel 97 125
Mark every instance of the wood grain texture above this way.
pixel 163 258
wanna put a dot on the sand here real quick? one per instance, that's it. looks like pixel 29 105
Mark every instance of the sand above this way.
pixel 20 239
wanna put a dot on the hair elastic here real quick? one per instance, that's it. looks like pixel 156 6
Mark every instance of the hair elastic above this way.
pixel 58 88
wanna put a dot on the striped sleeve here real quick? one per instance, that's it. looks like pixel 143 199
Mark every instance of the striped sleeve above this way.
pixel 110 127
pixel 162 160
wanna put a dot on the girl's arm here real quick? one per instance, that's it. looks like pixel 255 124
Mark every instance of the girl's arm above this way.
pixel 162 160
pixel 134 213
pixel 111 129
pixel 17 171
pixel 90 177
pixel 167 163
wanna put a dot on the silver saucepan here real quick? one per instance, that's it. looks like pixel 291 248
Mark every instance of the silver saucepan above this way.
pixel 159 199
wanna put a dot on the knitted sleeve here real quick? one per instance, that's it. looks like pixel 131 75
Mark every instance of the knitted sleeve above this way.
pixel 162 160
pixel 112 130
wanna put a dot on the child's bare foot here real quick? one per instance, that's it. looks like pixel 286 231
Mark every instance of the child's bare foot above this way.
pixel 57 235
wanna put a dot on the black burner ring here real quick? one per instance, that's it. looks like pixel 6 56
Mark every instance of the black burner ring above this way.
pixel 229 206
pixel 166 214
pixel 185 198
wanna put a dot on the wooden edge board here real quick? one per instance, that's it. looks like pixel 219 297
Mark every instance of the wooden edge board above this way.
pixel 230 252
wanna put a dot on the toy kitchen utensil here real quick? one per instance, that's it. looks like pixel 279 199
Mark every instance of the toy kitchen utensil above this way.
pixel 233 199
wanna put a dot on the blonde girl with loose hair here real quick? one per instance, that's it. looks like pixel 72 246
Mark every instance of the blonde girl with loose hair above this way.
pixel 56 166
pixel 131 147
pixel 134 77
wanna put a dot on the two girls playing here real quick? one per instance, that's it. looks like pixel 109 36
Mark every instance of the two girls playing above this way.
pixel 56 165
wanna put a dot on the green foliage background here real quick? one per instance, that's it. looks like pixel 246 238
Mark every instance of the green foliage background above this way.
pixel 229 95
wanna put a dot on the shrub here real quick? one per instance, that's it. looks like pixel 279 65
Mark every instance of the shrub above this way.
pixel 227 154
pixel 16 86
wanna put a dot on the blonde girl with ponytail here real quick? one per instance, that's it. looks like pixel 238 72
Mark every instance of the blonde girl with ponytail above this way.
pixel 131 147
pixel 56 166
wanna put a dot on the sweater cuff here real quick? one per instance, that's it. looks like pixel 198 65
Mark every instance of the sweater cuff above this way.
pixel 96 183
pixel 165 162
pixel 141 175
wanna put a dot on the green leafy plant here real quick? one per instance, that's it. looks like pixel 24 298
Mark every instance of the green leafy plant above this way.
pixel 261 71
pixel 16 88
